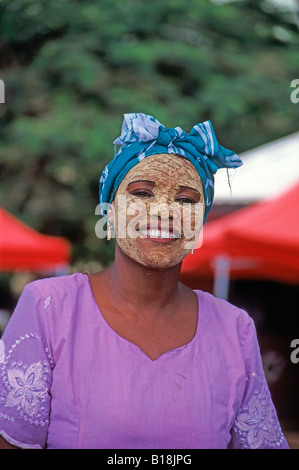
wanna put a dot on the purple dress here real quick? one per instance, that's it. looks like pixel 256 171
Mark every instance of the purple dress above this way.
pixel 68 380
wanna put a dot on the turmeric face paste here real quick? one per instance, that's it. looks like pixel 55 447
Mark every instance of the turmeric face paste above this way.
pixel 158 211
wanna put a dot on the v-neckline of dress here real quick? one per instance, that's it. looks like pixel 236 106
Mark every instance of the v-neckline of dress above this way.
pixel 132 344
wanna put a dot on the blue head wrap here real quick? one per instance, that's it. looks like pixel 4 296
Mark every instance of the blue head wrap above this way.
pixel 143 135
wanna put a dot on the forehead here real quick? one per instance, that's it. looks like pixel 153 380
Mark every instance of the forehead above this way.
pixel 165 169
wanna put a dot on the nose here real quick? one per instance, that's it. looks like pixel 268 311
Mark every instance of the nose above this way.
pixel 167 215
pixel 161 211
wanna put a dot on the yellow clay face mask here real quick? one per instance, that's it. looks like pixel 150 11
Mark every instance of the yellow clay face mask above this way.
pixel 154 210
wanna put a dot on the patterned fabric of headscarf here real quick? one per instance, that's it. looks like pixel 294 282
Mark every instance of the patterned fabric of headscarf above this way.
pixel 143 135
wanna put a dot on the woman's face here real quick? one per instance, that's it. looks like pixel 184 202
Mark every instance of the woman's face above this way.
pixel 158 211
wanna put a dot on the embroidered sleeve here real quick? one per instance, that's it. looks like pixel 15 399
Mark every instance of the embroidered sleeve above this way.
pixel 25 374
pixel 256 424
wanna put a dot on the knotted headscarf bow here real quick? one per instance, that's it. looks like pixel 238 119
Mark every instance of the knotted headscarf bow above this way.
pixel 143 135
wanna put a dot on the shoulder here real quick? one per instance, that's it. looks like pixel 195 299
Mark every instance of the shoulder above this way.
pixel 30 318
pixel 224 316
pixel 54 303
pixel 60 285
pixel 229 333
pixel 57 294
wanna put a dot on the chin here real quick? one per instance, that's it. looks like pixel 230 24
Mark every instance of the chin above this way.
pixel 156 258
pixel 157 262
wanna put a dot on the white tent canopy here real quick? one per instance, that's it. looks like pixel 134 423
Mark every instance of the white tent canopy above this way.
pixel 267 171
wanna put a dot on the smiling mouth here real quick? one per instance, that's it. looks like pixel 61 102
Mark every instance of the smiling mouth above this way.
pixel 160 234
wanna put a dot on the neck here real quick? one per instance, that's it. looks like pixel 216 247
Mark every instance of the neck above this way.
pixel 141 287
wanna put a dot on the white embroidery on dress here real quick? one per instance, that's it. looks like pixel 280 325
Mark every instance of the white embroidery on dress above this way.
pixel 257 424
pixel 24 338
pixel 2 351
pixel 47 302
pixel 28 388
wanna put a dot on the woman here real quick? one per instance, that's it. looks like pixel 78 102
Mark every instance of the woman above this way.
pixel 129 357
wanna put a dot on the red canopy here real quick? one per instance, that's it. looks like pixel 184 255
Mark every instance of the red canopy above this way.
pixel 22 248
pixel 260 241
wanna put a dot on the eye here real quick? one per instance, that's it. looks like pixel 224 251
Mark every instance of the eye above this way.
pixel 185 200
pixel 141 193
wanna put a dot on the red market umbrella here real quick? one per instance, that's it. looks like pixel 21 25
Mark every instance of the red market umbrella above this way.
pixel 23 248
pixel 258 242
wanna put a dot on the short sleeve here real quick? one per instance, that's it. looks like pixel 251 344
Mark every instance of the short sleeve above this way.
pixel 256 424
pixel 25 373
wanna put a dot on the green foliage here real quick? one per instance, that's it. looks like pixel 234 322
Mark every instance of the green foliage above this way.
pixel 72 69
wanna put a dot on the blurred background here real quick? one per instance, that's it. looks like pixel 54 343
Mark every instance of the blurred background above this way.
pixel 71 69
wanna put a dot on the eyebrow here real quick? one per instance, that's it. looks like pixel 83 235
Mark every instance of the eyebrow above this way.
pixel 142 181
pixel 192 189
pixel 154 184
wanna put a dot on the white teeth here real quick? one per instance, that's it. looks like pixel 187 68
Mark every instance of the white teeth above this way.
pixel 166 234
pixel 156 234
pixel 143 233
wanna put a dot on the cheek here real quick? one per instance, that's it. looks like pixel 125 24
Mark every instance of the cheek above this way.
pixel 129 215
pixel 192 219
